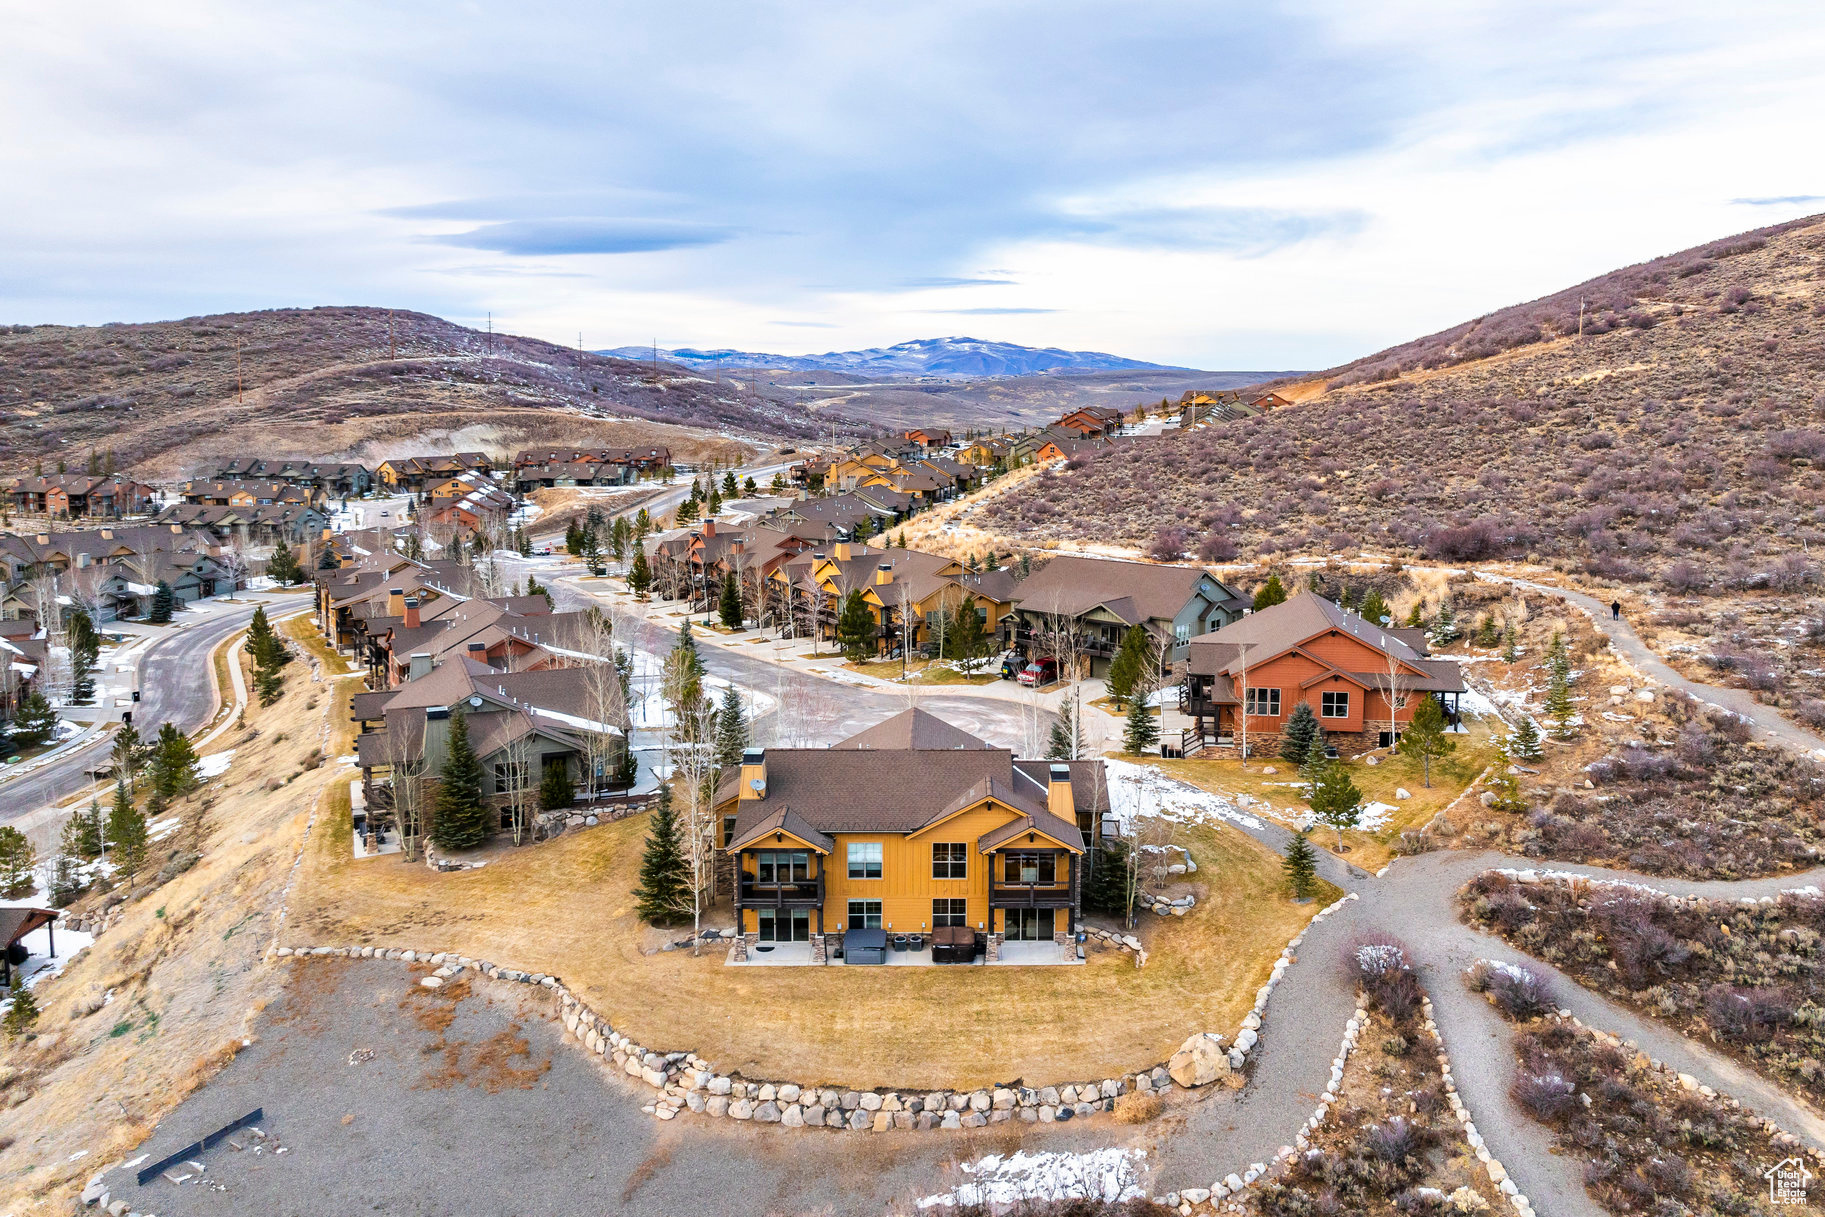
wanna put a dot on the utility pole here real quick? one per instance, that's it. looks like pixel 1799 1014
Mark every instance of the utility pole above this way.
pixel 1580 317
pixel 579 352
pixel 237 371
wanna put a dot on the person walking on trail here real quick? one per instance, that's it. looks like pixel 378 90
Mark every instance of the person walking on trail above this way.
pixel 1615 610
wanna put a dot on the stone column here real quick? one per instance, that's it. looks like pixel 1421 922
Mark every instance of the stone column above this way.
pixel 817 949
pixel 994 948
pixel 742 942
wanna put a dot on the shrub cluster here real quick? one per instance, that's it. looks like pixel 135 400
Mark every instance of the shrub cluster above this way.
pixel 1746 977
pixel 1646 1144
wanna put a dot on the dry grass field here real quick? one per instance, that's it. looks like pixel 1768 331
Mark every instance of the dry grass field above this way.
pixel 565 908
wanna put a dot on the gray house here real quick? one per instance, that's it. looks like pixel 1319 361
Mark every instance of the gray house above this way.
pixel 1098 599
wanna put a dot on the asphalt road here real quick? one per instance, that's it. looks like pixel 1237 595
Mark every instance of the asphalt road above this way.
pixel 176 685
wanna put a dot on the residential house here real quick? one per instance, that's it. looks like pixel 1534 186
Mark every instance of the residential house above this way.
pixel 258 492
pixel 1363 680
pixel 914 597
pixel 411 474
pixel 520 724
pixel 294 523
pixel 76 496
pixel 508 633
pixel 480 508
pixel 374 587
pixel 927 439
pixel 1089 421
pixel 908 827
pixel 331 479
pixel 1087 605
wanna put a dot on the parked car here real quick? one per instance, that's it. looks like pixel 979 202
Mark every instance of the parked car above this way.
pixel 1011 665
pixel 1040 672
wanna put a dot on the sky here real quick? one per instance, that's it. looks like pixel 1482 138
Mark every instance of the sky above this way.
pixel 1210 184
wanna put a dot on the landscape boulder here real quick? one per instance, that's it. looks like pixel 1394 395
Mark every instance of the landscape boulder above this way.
pixel 1200 1061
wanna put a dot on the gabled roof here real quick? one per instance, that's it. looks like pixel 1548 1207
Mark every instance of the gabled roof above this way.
pixel 783 819
pixel 1286 627
pixel 917 731
pixel 1072 586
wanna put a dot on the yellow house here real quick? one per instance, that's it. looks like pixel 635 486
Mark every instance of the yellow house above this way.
pixel 899 586
pixel 911 827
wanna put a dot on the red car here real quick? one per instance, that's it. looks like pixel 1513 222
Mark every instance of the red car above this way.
pixel 1040 672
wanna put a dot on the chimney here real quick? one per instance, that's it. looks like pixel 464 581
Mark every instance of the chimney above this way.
pixel 411 612
pixel 709 528
pixel 754 773
pixel 1058 794
pixel 842 551
pixel 478 651
pixel 419 665
pixel 396 602
pixel 883 574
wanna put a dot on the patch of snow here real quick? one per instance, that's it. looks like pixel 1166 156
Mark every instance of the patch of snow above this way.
pixel 1375 816
pixel 215 764
pixel 1141 790
pixel 1108 1175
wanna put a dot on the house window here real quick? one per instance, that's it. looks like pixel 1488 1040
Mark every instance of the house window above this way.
pixel 948 913
pixel 950 860
pixel 1265 702
pixel 864 914
pixel 782 866
pixel 1336 705
pixel 728 822
pixel 1182 631
pixel 865 860
pixel 1029 868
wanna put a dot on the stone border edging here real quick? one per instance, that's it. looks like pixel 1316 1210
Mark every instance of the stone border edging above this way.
pixel 1566 878
pixel 1498 1174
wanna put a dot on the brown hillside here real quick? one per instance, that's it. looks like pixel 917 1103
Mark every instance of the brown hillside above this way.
pixel 1678 439
pixel 320 383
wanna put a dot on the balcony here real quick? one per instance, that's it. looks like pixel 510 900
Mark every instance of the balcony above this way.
pixel 1056 895
pixel 805 894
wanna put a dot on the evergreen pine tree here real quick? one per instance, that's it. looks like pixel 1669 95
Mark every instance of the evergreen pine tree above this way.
pixel 82 833
pixel 126 834
pixel 1558 655
pixel 1509 637
pixel 664 891
pixel 1416 616
pixel 855 628
pixel 1296 735
pixel 1559 706
pixel 1270 593
pixel 748 488
pixel 22 1015
pixel 1127 669
pixel 555 789
pixel 1526 742
pixel 639 575
pixel 1107 890
pixel 1347 601
pixel 1317 755
pixel 968 641
pixel 1424 737
pixel 1444 625
pixel 731 729
pixel 729 489
pixel 85 650
pixel 269 657
pixel 592 554
pixel 1335 799
pixel 327 559
pixel 282 567
pixel 1301 867
pixel 535 588
pixel 728 606
pixel 620 536
pixel 162 604
pixel 1066 741
pixel 713 505
pixel 461 819
pixel 17 859
pixel 573 539
pixel 128 754
pixel 687 513
pixel 34 722
pixel 1488 633
pixel 1502 783
pixel 1142 729
pixel 1374 608
pixel 175 766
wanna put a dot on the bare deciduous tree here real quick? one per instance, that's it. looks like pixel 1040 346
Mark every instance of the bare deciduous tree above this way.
pixel 522 791
pixel 407 765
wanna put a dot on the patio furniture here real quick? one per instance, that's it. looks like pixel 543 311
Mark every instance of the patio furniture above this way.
pixel 953 944
pixel 865 946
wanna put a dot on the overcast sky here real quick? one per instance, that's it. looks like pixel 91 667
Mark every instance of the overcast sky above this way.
pixel 1222 185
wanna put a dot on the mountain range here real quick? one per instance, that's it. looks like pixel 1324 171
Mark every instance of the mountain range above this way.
pixel 947 357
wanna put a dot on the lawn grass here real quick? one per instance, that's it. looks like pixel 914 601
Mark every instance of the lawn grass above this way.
pixel 1451 775
pixel 565 908
pixel 922 672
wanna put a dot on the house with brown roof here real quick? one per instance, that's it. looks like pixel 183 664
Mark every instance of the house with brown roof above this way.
pixel 911 827
pixel 1090 421
pixel 1363 680
pixel 75 496
pixel 1091 603
pixel 412 473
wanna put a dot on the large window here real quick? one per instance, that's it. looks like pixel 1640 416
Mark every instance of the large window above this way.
pixel 728 829
pixel 949 912
pixel 950 860
pixel 1265 702
pixel 1029 868
pixel 782 866
pixel 1336 705
pixel 864 914
pixel 865 860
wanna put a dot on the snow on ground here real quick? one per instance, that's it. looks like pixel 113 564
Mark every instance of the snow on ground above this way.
pixel 39 964
pixel 1475 701
pixel 1110 1175
pixel 1141 790
pixel 215 764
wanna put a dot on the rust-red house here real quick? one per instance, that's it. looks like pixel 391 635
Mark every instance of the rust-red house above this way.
pixel 1363 681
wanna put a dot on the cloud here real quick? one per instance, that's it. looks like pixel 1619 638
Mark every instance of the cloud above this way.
pixel 807 325
pixel 532 238
pixel 1779 200
pixel 989 312
pixel 953 281
pixel 1246 231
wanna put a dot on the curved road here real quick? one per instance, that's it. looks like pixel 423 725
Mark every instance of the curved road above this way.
pixel 177 684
